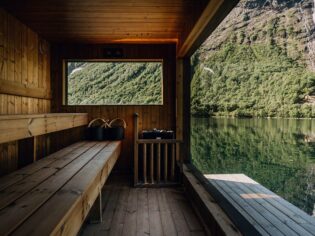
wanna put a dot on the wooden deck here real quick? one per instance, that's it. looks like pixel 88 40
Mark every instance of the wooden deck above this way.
pixel 256 210
pixel 144 211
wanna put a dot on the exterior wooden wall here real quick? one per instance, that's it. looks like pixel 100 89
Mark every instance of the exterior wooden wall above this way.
pixel 162 117
pixel 24 79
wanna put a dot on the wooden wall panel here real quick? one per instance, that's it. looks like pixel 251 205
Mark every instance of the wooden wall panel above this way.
pixel 162 117
pixel 24 62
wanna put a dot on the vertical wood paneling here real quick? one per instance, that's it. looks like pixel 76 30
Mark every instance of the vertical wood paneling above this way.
pixel 10 48
pixel 161 117
pixel 24 55
pixel 2 20
pixel 30 64
pixel 22 63
pixel 4 30
pixel 17 51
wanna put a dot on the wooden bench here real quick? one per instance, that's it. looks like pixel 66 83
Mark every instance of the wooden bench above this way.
pixel 53 196
pixel 255 209
pixel 15 127
pixel 27 129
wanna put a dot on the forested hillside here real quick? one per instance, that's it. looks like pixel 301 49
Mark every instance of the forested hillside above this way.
pixel 97 83
pixel 258 62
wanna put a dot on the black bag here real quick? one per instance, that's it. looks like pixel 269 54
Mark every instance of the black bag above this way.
pixel 115 130
pixel 114 133
pixel 95 130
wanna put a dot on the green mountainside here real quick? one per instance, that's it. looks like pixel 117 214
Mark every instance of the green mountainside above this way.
pixel 258 62
pixel 97 83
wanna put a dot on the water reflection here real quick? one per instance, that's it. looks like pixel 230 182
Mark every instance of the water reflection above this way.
pixel 277 153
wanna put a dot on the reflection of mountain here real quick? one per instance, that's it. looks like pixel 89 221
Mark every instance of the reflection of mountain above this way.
pixel 272 152
pixel 114 83
pixel 263 62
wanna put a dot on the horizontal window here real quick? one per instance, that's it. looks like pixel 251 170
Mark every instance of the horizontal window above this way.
pixel 114 82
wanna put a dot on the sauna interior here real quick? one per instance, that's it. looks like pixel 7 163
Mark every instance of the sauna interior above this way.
pixel 55 180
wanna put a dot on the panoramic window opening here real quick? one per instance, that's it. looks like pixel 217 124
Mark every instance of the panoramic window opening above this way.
pixel 251 78
pixel 114 82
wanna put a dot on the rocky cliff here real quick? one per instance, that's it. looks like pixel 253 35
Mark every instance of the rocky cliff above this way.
pixel 260 61
pixel 286 23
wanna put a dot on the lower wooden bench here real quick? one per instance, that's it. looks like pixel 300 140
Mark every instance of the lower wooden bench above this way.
pixel 54 195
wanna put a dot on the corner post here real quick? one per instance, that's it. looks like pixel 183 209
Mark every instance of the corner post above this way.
pixel 136 154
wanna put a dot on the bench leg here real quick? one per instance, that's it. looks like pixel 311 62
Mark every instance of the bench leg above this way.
pixel 96 214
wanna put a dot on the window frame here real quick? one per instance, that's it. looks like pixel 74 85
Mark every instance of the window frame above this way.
pixel 65 80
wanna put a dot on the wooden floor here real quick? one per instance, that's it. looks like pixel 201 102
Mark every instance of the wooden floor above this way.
pixel 144 211
pixel 256 210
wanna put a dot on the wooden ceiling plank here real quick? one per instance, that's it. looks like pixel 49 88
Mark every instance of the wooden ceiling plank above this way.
pixel 106 20
pixel 200 25
pixel 109 3
pixel 114 32
pixel 103 10
pixel 118 25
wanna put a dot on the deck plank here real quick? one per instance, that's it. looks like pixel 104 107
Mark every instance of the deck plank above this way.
pixel 168 224
pixel 183 206
pixel 140 211
pixel 246 210
pixel 276 215
pixel 286 207
pixel 130 225
pixel 155 223
pixel 269 211
pixel 181 225
pixel 143 227
pixel 110 209
pixel 270 222
pixel 120 213
pixel 13 215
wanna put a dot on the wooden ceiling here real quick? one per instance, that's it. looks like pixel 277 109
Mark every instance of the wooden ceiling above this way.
pixel 108 21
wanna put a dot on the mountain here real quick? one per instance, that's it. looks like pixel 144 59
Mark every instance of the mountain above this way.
pixel 99 83
pixel 260 61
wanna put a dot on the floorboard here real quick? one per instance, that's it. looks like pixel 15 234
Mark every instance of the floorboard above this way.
pixel 155 223
pixel 144 211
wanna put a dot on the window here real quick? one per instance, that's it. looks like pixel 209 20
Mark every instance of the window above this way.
pixel 256 65
pixel 114 82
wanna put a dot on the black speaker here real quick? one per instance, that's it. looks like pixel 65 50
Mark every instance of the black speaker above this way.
pixel 113 53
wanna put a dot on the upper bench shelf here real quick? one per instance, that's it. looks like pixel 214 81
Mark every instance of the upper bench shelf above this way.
pixel 15 127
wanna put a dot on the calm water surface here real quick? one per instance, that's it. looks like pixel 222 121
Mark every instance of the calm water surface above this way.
pixel 277 153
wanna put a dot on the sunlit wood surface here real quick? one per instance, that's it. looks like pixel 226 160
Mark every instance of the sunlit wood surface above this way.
pixel 265 212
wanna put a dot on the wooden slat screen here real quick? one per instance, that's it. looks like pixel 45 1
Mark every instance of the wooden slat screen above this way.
pixel 155 160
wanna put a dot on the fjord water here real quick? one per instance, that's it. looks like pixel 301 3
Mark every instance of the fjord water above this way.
pixel 277 153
